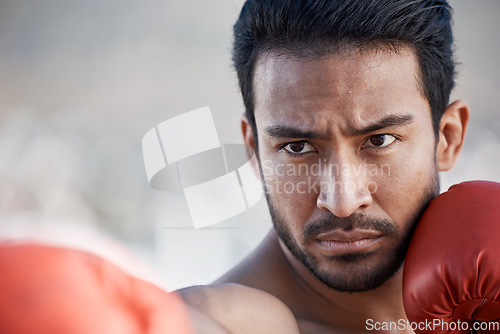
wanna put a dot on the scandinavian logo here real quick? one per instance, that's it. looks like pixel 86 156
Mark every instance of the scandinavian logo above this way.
pixel 184 153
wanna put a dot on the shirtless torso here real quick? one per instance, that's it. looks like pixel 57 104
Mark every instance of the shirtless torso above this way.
pixel 274 293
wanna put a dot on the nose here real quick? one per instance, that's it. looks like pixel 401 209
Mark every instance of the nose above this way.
pixel 344 190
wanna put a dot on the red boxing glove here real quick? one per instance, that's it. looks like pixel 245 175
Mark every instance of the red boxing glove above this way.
pixel 451 277
pixel 49 290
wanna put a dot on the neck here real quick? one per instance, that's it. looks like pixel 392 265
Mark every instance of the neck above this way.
pixel 314 301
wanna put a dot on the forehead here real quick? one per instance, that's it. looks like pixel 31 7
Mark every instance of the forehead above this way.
pixel 350 87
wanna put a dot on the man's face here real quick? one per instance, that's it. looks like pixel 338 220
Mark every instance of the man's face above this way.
pixel 347 155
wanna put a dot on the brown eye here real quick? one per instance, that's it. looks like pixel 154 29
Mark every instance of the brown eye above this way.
pixel 299 147
pixel 377 140
pixel 382 140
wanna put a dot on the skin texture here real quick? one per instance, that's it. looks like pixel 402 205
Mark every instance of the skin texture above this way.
pixel 362 115
pixel 366 175
pixel 234 308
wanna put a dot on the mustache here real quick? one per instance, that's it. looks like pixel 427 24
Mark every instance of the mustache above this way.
pixel 360 221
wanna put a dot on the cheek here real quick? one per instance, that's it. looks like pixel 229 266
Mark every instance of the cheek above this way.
pixel 401 191
pixel 293 195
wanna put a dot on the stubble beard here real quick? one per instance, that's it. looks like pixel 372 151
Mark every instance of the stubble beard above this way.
pixel 357 276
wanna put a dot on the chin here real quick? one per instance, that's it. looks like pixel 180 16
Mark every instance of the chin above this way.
pixel 356 272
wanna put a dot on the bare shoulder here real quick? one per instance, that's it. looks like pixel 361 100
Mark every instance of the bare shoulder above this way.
pixel 241 309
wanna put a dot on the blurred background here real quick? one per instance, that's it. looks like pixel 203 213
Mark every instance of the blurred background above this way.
pixel 82 81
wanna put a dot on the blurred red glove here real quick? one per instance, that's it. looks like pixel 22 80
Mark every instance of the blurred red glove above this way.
pixel 48 290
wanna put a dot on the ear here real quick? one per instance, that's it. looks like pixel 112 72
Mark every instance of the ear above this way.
pixel 249 139
pixel 452 130
pixel 248 135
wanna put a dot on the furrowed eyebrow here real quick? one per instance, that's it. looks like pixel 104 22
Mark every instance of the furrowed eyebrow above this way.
pixel 391 120
pixel 284 131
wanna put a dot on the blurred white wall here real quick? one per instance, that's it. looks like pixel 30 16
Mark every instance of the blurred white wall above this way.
pixel 82 81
